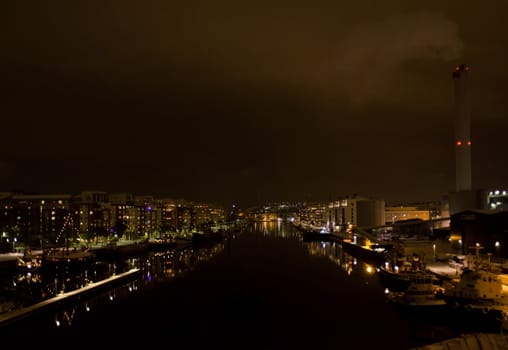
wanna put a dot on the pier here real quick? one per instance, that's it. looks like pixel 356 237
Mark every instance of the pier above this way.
pixel 65 298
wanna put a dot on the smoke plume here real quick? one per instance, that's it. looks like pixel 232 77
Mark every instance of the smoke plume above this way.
pixel 371 56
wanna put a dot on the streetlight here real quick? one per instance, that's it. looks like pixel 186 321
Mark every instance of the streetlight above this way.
pixel 434 250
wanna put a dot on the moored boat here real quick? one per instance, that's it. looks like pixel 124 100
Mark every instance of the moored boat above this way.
pixel 123 250
pixel 312 236
pixel 370 256
pixel 72 260
pixel 479 291
pixel 399 276
pixel 477 287
pixel 421 293
pixel 169 243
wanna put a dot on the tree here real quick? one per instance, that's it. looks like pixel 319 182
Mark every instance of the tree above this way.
pixel 120 227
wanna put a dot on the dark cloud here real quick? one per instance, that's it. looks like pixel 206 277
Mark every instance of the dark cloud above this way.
pixel 372 56
pixel 248 101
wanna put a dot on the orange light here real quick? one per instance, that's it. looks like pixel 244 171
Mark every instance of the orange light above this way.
pixel 458 143
pixel 469 143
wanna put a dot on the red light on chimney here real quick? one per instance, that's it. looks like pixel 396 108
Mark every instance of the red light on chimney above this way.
pixel 458 143
pixel 469 143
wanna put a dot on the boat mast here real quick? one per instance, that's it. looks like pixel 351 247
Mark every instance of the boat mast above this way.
pixel 476 261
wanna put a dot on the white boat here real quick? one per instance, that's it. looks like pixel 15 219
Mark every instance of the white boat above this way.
pixel 421 292
pixel 399 277
pixel 477 286
pixel 479 290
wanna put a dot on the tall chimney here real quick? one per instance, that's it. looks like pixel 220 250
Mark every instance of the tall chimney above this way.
pixel 462 129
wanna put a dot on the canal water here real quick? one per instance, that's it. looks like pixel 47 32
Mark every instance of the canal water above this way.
pixel 262 289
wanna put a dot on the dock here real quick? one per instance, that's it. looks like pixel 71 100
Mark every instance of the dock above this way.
pixel 64 298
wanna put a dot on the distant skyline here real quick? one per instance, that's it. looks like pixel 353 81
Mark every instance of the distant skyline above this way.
pixel 249 102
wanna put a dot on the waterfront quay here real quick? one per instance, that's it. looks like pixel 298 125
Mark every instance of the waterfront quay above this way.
pixel 260 290
pixel 264 289
pixel 65 298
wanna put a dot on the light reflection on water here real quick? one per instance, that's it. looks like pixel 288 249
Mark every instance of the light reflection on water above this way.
pixel 276 229
pixel 26 289
pixel 426 326
pixel 267 286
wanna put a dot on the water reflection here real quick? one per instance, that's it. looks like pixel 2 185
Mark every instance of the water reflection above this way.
pixel 266 290
pixel 426 324
pixel 276 229
pixel 25 289
pixel 166 265
pixel 333 251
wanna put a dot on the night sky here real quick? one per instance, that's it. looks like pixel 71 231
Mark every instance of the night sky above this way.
pixel 249 101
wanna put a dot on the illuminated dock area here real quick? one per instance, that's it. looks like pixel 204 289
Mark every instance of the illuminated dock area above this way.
pixel 63 298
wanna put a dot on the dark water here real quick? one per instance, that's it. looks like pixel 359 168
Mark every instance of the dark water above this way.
pixel 266 289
